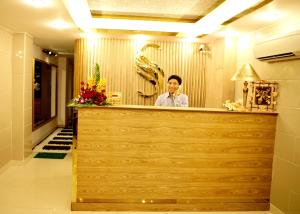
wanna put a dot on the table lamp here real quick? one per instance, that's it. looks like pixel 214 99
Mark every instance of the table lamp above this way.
pixel 246 73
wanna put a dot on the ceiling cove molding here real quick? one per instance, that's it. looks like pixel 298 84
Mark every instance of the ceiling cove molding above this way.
pixel 250 10
pixel 153 16
pixel 213 20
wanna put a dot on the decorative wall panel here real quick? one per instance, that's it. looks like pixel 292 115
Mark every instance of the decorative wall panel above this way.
pixel 116 57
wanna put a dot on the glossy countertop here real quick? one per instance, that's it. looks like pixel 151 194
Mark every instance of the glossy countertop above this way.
pixel 193 109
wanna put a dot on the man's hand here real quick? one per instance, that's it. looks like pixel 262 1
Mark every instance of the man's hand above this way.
pixel 176 93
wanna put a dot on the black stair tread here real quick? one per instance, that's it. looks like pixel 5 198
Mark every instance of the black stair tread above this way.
pixel 60 142
pixel 67 130
pixel 64 134
pixel 50 147
pixel 63 138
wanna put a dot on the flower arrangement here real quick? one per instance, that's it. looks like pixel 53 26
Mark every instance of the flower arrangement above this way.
pixel 92 92
pixel 234 106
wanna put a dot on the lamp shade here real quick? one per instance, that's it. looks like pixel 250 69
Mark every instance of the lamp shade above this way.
pixel 246 73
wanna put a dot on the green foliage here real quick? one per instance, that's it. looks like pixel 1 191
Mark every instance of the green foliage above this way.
pixel 96 76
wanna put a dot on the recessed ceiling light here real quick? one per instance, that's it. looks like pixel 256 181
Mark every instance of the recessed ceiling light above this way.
pixel 49 52
pixel 39 3
pixel 60 24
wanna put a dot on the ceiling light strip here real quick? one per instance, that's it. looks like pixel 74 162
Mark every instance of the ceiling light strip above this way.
pixel 222 13
pixel 228 10
pixel 149 17
pixel 245 12
pixel 122 24
pixel 80 13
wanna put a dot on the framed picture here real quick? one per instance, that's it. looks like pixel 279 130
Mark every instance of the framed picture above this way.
pixel 264 95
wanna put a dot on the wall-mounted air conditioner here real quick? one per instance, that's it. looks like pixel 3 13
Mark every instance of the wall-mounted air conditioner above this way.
pixel 278 49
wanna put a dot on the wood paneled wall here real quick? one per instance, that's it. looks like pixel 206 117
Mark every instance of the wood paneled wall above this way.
pixel 116 57
pixel 159 159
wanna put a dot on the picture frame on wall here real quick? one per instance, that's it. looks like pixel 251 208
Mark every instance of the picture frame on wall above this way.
pixel 264 95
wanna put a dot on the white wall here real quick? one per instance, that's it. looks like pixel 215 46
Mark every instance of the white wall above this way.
pixel 22 55
pixel 6 39
pixel 285 189
pixel 219 87
pixel 39 134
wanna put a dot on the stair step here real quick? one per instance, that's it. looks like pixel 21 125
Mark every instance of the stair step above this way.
pixel 50 147
pixel 60 142
pixel 62 138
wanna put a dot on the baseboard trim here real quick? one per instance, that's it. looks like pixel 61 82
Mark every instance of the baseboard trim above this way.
pixel 16 163
pixel 275 210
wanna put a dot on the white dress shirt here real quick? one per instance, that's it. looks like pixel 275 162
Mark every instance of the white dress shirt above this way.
pixel 168 99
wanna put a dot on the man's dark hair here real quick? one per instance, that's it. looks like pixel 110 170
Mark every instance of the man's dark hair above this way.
pixel 176 78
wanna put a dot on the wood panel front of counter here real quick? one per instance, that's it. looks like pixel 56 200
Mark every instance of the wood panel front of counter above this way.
pixel 147 159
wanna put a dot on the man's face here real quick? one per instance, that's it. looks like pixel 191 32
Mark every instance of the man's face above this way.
pixel 173 85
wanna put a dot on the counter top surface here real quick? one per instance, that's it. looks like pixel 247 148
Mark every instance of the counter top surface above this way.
pixel 221 110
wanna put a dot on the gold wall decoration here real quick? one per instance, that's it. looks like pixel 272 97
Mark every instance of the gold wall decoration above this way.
pixel 149 70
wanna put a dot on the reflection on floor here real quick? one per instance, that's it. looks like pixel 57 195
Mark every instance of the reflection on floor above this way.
pixel 43 186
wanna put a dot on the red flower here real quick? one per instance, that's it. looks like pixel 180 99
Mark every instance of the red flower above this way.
pixel 89 95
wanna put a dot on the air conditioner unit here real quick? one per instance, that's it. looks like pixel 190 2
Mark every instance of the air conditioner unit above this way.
pixel 278 49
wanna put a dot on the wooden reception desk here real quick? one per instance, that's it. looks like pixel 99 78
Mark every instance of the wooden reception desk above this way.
pixel 142 158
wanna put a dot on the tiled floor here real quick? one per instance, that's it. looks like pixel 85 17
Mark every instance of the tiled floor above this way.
pixel 43 186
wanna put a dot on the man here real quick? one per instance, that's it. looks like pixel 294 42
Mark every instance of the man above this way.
pixel 173 97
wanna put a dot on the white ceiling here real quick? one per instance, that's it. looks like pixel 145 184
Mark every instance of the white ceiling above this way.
pixel 20 17
pixel 152 8
pixel 276 11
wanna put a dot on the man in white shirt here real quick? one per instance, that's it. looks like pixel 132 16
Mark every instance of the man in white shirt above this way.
pixel 173 97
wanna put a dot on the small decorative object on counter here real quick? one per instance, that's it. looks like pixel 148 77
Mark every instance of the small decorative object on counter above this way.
pixel 234 106
pixel 264 95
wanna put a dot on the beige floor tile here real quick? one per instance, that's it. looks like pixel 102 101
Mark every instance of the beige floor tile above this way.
pixel 43 186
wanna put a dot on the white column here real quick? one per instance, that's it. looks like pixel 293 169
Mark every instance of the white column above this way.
pixel 61 91
pixel 22 62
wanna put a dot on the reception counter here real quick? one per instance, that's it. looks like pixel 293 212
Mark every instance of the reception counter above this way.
pixel 138 158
